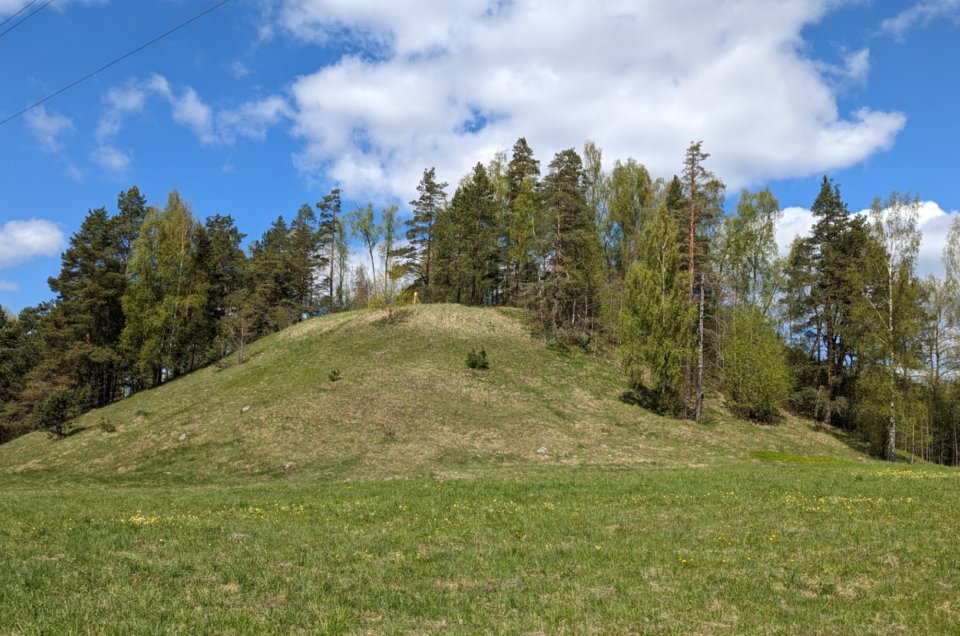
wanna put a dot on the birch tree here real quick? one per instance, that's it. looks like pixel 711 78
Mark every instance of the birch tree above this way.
pixel 894 224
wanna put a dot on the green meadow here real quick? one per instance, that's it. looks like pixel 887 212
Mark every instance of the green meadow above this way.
pixel 765 548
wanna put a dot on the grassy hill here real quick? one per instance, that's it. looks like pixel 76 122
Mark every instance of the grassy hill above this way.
pixel 197 514
pixel 406 404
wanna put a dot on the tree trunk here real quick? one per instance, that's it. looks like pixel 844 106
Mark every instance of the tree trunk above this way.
pixel 892 430
pixel 699 400
pixel 333 254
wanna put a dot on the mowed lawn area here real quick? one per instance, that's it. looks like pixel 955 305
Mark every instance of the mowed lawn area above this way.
pixel 777 545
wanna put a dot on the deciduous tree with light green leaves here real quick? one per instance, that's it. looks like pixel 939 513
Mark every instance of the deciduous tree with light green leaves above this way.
pixel 756 377
pixel 749 258
pixel 363 224
pixel 166 296
pixel 897 308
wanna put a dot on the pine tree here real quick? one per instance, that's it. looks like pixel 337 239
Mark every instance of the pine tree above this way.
pixel 703 195
pixel 331 235
pixel 573 249
pixel 222 262
pixel 421 235
pixel 88 316
pixel 829 238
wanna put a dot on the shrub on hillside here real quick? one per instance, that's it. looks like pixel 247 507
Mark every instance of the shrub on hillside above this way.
pixel 478 359
pixel 756 377
pixel 58 407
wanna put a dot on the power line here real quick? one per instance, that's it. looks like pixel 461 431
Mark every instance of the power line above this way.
pixel 115 61
pixel 26 17
pixel 22 9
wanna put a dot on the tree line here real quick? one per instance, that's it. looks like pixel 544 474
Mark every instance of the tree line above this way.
pixel 699 304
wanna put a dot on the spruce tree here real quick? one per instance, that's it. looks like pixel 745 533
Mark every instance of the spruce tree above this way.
pixel 523 226
pixel 656 317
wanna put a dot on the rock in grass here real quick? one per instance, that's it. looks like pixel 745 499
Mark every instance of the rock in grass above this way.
pixel 543 450
pixel 245 408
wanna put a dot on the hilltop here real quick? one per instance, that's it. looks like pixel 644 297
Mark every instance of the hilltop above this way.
pixel 405 404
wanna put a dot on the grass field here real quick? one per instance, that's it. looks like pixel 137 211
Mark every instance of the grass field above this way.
pixel 417 496
pixel 791 548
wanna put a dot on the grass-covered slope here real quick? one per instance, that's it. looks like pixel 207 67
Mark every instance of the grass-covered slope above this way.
pixel 406 404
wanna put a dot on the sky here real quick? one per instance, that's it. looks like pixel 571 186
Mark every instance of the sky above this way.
pixel 262 105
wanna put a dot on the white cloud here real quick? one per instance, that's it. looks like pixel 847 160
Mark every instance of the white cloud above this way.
pixel 48 128
pixel 252 119
pixel 21 241
pixel 934 223
pixel 7 286
pixel 248 120
pixel 854 70
pixel 794 222
pixel 121 102
pixel 191 111
pixel 447 84
pixel 932 220
pixel 112 158
pixel 857 65
pixel 920 14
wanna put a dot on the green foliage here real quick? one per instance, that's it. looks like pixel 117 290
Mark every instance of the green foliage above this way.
pixel 478 359
pixel 871 409
pixel 572 249
pixel 631 205
pixel 334 375
pixel 364 226
pixel 165 302
pixel 58 407
pixel 467 246
pixel 522 227
pixel 417 259
pixel 749 250
pixel 106 425
pixel 331 240
pixel 656 319
pixel 755 375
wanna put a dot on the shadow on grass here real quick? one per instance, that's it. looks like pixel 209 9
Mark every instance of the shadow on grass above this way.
pixel 69 432
pixel 645 398
pixel 848 438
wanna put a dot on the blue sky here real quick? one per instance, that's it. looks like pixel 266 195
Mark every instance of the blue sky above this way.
pixel 264 105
